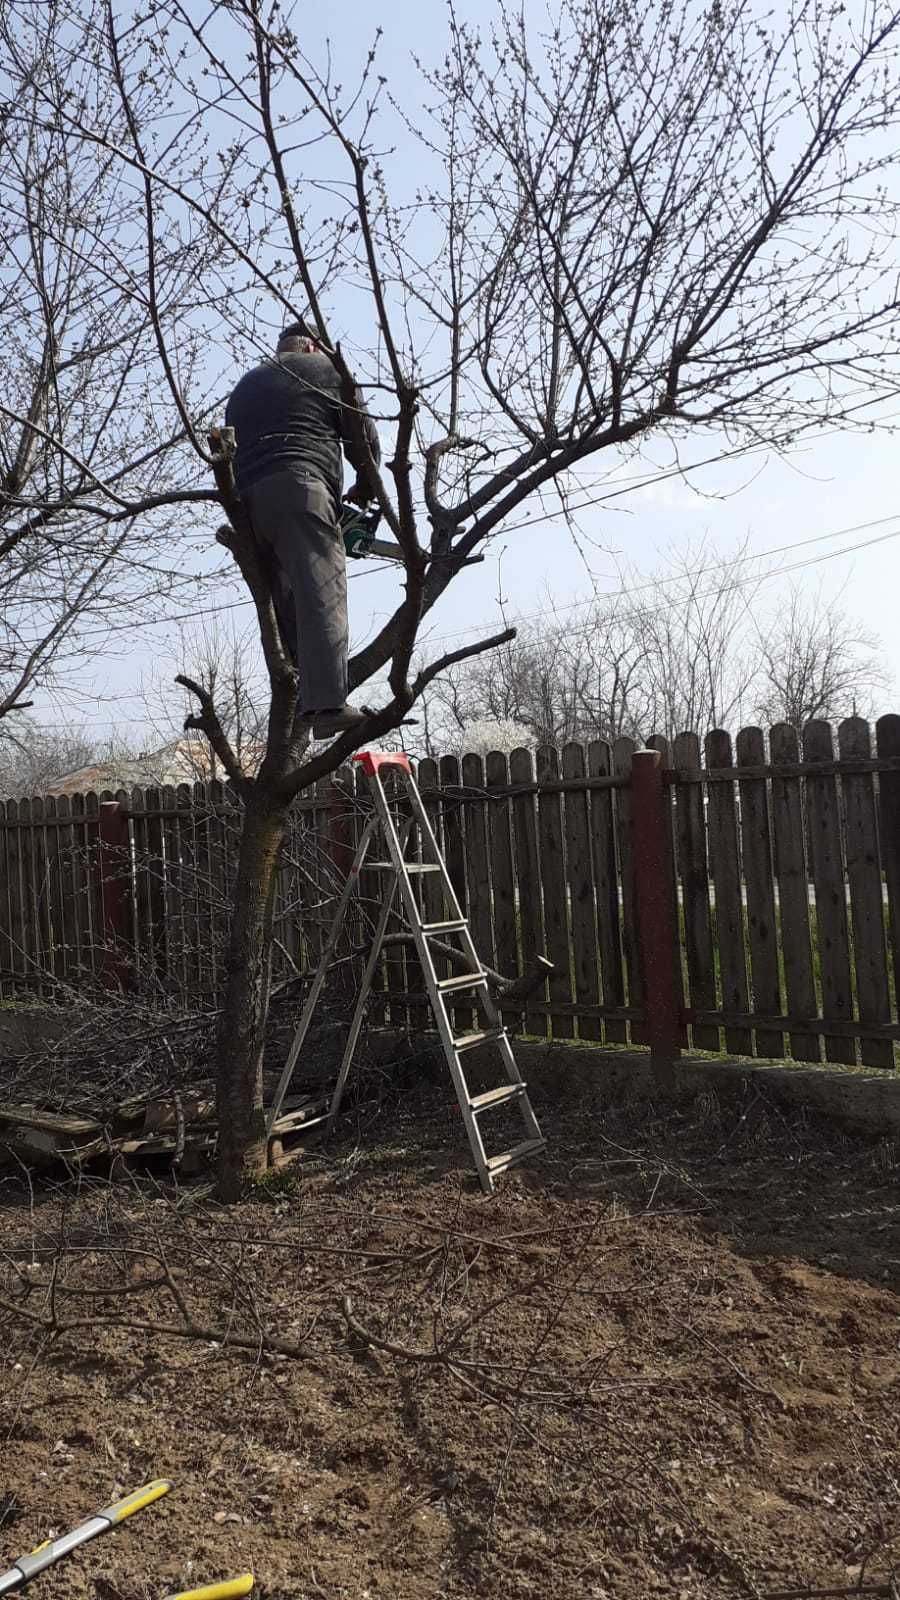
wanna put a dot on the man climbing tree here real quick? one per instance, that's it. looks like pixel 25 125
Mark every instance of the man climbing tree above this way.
pixel 290 423
pixel 641 222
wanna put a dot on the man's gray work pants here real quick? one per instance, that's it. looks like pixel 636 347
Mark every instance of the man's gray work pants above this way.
pixel 294 518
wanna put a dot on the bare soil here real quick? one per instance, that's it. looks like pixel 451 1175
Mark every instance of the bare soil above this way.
pixel 664 1358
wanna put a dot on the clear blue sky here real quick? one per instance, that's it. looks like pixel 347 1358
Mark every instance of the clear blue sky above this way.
pixel 836 483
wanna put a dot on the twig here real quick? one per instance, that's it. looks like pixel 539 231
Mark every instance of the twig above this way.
pixel 887 1590
pixel 208 722
pixel 164 1330
pixel 454 656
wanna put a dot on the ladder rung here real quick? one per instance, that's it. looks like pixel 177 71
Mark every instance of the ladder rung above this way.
pixel 496 1097
pixel 466 980
pixel 517 1153
pixel 408 866
pixel 468 1041
pixel 444 927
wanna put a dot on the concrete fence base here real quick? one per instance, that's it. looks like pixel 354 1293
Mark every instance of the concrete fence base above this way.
pixel 859 1100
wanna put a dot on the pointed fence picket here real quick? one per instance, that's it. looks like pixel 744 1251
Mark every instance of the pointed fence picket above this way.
pixel 779 855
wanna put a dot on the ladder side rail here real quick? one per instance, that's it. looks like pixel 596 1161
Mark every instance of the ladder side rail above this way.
pixel 321 970
pixel 441 1017
pixel 423 821
pixel 360 1007
pixel 534 1138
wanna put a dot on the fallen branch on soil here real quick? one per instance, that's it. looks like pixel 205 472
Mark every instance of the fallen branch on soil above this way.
pixel 54 1328
pixel 744 1377
pixel 885 1591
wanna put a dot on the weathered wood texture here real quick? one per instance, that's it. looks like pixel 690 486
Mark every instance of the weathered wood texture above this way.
pixel 780 860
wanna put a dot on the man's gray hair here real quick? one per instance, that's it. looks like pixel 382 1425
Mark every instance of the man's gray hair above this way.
pixel 295 339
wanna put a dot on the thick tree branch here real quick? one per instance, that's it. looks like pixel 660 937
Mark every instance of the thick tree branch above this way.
pixel 207 722
pixel 429 673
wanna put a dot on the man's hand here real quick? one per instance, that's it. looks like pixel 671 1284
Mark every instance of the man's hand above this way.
pixel 358 494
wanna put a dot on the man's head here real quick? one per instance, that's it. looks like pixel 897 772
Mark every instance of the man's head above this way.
pixel 294 341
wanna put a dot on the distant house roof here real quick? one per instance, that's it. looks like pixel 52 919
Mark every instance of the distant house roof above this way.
pixel 183 761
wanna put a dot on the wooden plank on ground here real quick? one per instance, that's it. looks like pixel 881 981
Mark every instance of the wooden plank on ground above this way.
pixel 823 819
pixel 887 743
pixel 693 873
pixel 623 749
pixel 551 850
pixel 759 880
pixel 602 821
pixel 725 861
pixel 792 876
pixel 580 879
pixel 873 996
pixel 528 882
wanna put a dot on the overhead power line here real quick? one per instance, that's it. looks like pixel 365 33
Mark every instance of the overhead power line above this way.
pixel 738 583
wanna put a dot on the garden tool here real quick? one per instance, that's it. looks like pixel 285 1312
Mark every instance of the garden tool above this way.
pixel 358 528
pixel 53 1550
pixel 230 1590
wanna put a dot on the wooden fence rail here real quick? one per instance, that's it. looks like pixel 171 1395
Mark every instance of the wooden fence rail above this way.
pixel 741 896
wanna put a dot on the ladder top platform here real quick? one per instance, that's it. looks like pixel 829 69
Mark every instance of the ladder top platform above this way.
pixel 371 760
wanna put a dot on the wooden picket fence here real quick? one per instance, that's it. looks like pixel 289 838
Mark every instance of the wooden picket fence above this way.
pixel 741 897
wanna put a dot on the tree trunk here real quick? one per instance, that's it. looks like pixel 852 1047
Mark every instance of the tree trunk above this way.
pixel 242 1019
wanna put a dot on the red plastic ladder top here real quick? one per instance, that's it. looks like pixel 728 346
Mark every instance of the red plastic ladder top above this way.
pixel 371 760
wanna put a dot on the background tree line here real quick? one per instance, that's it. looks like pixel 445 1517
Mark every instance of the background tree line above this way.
pixel 692 648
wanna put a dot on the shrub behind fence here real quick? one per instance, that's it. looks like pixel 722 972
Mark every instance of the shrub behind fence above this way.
pixel 774 865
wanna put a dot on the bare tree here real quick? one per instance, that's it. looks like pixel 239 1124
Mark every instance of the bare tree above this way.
pixel 817 662
pixel 32 757
pixel 692 628
pixel 647 219
pixel 661 655
pixel 225 661
pixel 684 649
pixel 557 681
pixel 89 486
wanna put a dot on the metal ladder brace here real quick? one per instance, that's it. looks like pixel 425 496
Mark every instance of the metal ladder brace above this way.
pixel 396 837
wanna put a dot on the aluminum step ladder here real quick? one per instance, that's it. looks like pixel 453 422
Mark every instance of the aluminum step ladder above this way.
pixel 396 834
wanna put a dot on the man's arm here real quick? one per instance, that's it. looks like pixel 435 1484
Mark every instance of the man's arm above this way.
pixel 362 490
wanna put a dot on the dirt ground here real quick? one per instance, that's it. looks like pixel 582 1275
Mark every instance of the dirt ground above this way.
pixel 665 1358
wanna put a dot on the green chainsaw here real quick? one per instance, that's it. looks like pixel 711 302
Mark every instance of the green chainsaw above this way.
pixel 359 527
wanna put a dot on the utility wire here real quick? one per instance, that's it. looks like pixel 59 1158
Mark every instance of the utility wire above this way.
pixel 727 587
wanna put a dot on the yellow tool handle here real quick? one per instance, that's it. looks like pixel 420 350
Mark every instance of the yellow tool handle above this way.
pixel 136 1501
pixel 218 1591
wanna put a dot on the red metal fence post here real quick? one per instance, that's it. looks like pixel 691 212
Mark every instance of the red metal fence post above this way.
pixel 657 914
pixel 116 891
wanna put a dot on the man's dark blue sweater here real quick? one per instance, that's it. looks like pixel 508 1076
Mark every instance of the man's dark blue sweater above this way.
pixel 288 415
